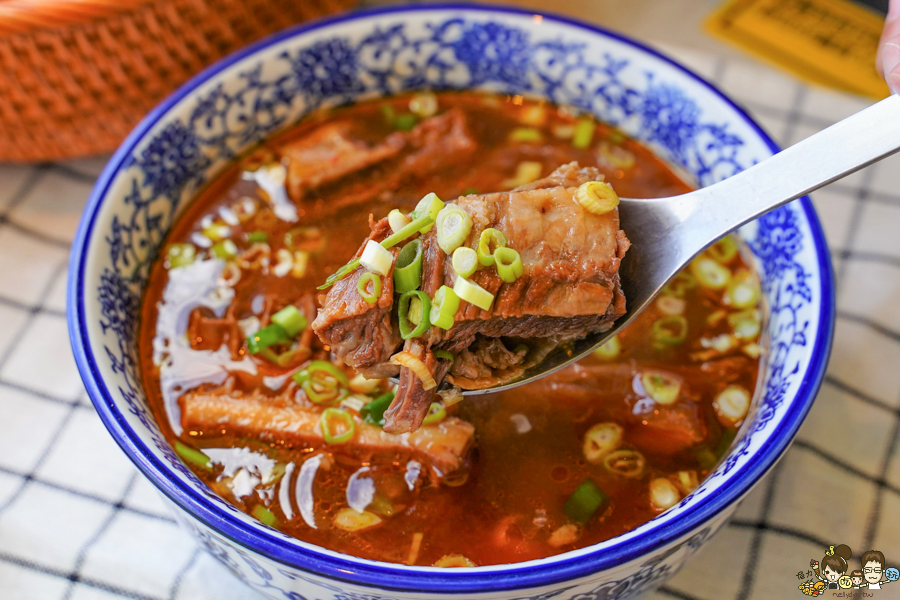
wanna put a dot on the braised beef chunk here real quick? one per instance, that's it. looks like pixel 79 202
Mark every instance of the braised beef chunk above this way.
pixel 328 155
pixel 570 288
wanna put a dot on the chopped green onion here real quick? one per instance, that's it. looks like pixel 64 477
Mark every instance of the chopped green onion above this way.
pixel 405 122
pixel 397 220
pixel 746 324
pixel 724 250
pixel 323 393
pixel 473 293
pixel 584 501
pixel 584 133
pixel 627 463
pixel 408 267
pixel 265 515
pixel 436 414
pixel 669 331
pixel 291 320
pixel 470 191
pixel 525 134
pixel 526 172
pixel 373 412
pixel 192 455
pixel 337 425
pixel 257 236
pixel 490 240
pixel 444 355
pixel 180 255
pixel 710 274
pixel 600 440
pixel 709 457
pixel 663 388
pixel 596 197
pixel 389 115
pixel 362 286
pixel 743 292
pixel 509 264
pixel 375 258
pixel 217 232
pixel 322 370
pixel 443 308
pixel 415 226
pixel 424 105
pixel 663 494
pixel 408 329
pixel 465 261
pixel 732 404
pixel 287 357
pixel 680 284
pixel 322 382
pixel 609 350
pixel 269 335
pixel 340 274
pixel 225 249
pixel 453 227
pixel 429 206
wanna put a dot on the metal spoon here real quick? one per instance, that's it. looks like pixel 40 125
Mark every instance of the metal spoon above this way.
pixel 667 233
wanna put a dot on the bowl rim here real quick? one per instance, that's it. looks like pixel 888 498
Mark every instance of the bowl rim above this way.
pixel 401 578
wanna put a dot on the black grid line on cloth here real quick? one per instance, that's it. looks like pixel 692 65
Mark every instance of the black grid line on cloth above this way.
pixel 31 309
pixel 81 494
pixel 871 195
pixel 783 530
pixel 868 257
pixel 875 326
pixel 74 577
pixel 859 395
pixel 179 577
pixel 860 198
pixel 880 481
pixel 875 513
pixel 673 593
pixel 39 394
pixel 82 553
pixel 792 119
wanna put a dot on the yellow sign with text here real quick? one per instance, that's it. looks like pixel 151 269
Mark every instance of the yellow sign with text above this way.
pixel 829 42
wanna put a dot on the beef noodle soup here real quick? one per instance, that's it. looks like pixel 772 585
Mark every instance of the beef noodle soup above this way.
pixel 266 415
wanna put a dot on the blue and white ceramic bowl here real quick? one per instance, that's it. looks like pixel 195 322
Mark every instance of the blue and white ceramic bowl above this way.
pixel 246 97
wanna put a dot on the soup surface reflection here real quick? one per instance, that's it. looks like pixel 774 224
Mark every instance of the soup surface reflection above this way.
pixel 577 458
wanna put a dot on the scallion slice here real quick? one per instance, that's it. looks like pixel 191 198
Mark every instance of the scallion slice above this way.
pixel 192 455
pixel 337 425
pixel 525 134
pixel 669 331
pixel 443 307
pixel 584 133
pixel 180 255
pixel 269 335
pixel 322 382
pixel 444 355
pixel 584 501
pixel 257 237
pixel 473 293
pixel 373 412
pixel 408 267
pixel 429 206
pixel 397 220
pixel 490 240
pixel 436 414
pixel 710 274
pixel 265 515
pixel 376 259
pixel 724 250
pixel 340 274
pixel 663 388
pixel 408 329
pixel 596 197
pixel 453 227
pixel 225 249
pixel 509 264
pixel 414 226
pixel 465 261
pixel 291 320
pixel 362 286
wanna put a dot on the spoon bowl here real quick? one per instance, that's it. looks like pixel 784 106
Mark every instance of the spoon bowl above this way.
pixel 668 233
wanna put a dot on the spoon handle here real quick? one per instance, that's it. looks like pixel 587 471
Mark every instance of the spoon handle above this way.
pixel 847 146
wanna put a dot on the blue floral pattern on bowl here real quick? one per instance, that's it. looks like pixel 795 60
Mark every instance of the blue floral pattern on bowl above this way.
pixel 232 107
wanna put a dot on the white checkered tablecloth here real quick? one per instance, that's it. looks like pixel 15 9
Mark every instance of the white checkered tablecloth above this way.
pixel 77 522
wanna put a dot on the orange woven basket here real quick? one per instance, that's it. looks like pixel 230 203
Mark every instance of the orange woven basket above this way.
pixel 77 75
